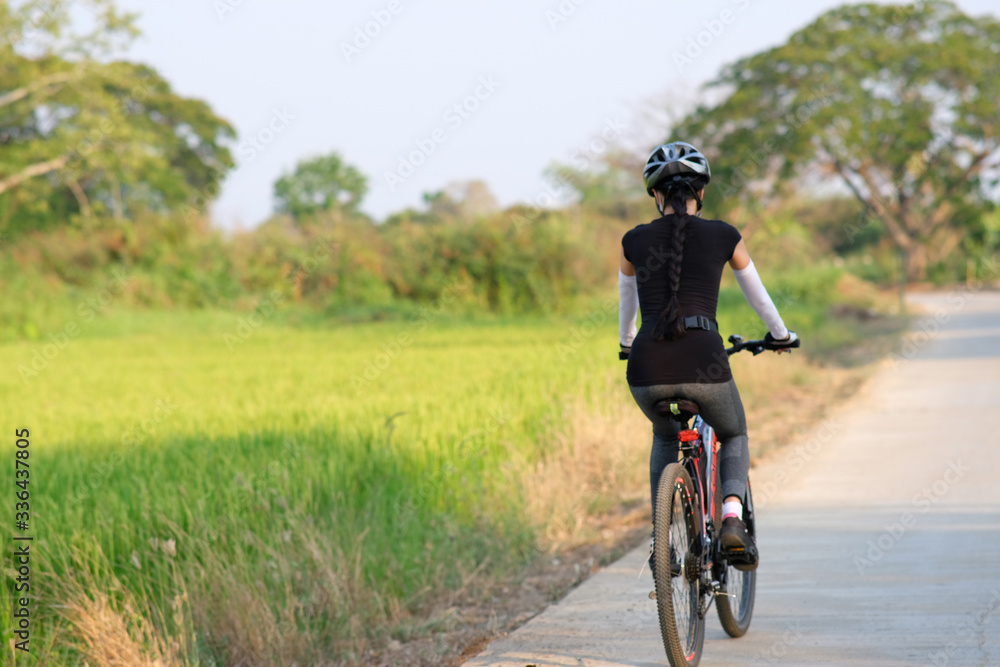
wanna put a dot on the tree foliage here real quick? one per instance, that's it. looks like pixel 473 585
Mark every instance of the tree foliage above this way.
pixel 462 200
pixel 897 103
pixel 609 183
pixel 85 135
pixel 321 184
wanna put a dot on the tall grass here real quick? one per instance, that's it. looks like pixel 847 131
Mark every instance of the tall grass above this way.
pixel 205 494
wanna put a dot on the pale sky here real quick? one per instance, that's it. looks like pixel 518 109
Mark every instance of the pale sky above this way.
pixel 442 90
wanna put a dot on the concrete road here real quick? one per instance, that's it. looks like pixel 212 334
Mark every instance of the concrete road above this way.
pixel 879 531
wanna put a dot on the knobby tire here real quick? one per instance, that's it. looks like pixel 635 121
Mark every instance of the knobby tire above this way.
pixel 736 607
pixel 677 540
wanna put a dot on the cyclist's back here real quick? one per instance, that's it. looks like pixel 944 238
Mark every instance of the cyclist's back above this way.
pixel 708 246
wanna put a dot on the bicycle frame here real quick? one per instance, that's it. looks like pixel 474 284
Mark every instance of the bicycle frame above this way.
pixel 708 455
pixel 700 459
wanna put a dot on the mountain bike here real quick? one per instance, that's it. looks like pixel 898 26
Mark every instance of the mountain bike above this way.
pixel 690 568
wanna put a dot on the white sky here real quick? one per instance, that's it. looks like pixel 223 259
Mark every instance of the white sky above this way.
pixel 557 85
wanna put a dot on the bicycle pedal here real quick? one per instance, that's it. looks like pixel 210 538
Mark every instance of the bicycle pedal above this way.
pixel 741 558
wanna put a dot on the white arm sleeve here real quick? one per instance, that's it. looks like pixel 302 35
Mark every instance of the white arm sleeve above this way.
pixel 757 296
pixel 628 307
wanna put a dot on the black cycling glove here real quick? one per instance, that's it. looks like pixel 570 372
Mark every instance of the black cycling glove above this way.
pixel 791 340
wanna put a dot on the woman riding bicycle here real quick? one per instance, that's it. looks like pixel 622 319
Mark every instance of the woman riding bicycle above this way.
pixel 670 271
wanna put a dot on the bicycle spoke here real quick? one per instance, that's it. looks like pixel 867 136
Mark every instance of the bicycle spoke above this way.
pixel 734 590
pixel 682 590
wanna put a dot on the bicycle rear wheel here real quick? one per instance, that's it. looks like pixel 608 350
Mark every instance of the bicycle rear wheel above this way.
pixel 736 606
pixel 676 570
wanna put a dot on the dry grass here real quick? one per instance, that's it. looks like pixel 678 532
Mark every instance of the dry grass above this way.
pixel 114 635
pixel 110 626
pixel 318 579
pixel 107 625
pixel 596 473
pixel 594 468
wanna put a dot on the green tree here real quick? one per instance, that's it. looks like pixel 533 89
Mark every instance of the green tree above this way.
pixel 81 133
pixel 897 103
pixel 321 184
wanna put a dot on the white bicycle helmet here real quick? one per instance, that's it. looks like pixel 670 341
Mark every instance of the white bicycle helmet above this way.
pixel 676 162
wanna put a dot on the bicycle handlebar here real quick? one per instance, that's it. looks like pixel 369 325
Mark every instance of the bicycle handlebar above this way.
pixel 754 346
pixel 757 346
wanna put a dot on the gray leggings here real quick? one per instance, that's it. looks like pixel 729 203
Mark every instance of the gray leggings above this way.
pixel 722 408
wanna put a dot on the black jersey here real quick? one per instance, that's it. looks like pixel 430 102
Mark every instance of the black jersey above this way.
pixel 699 355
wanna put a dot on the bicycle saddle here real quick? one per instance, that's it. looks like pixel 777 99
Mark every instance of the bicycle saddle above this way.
pixel 678 409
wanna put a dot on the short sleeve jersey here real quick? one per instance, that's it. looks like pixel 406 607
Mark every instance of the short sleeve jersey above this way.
pixel 699 355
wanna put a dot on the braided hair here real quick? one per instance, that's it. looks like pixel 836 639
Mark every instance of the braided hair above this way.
pixel 670 325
